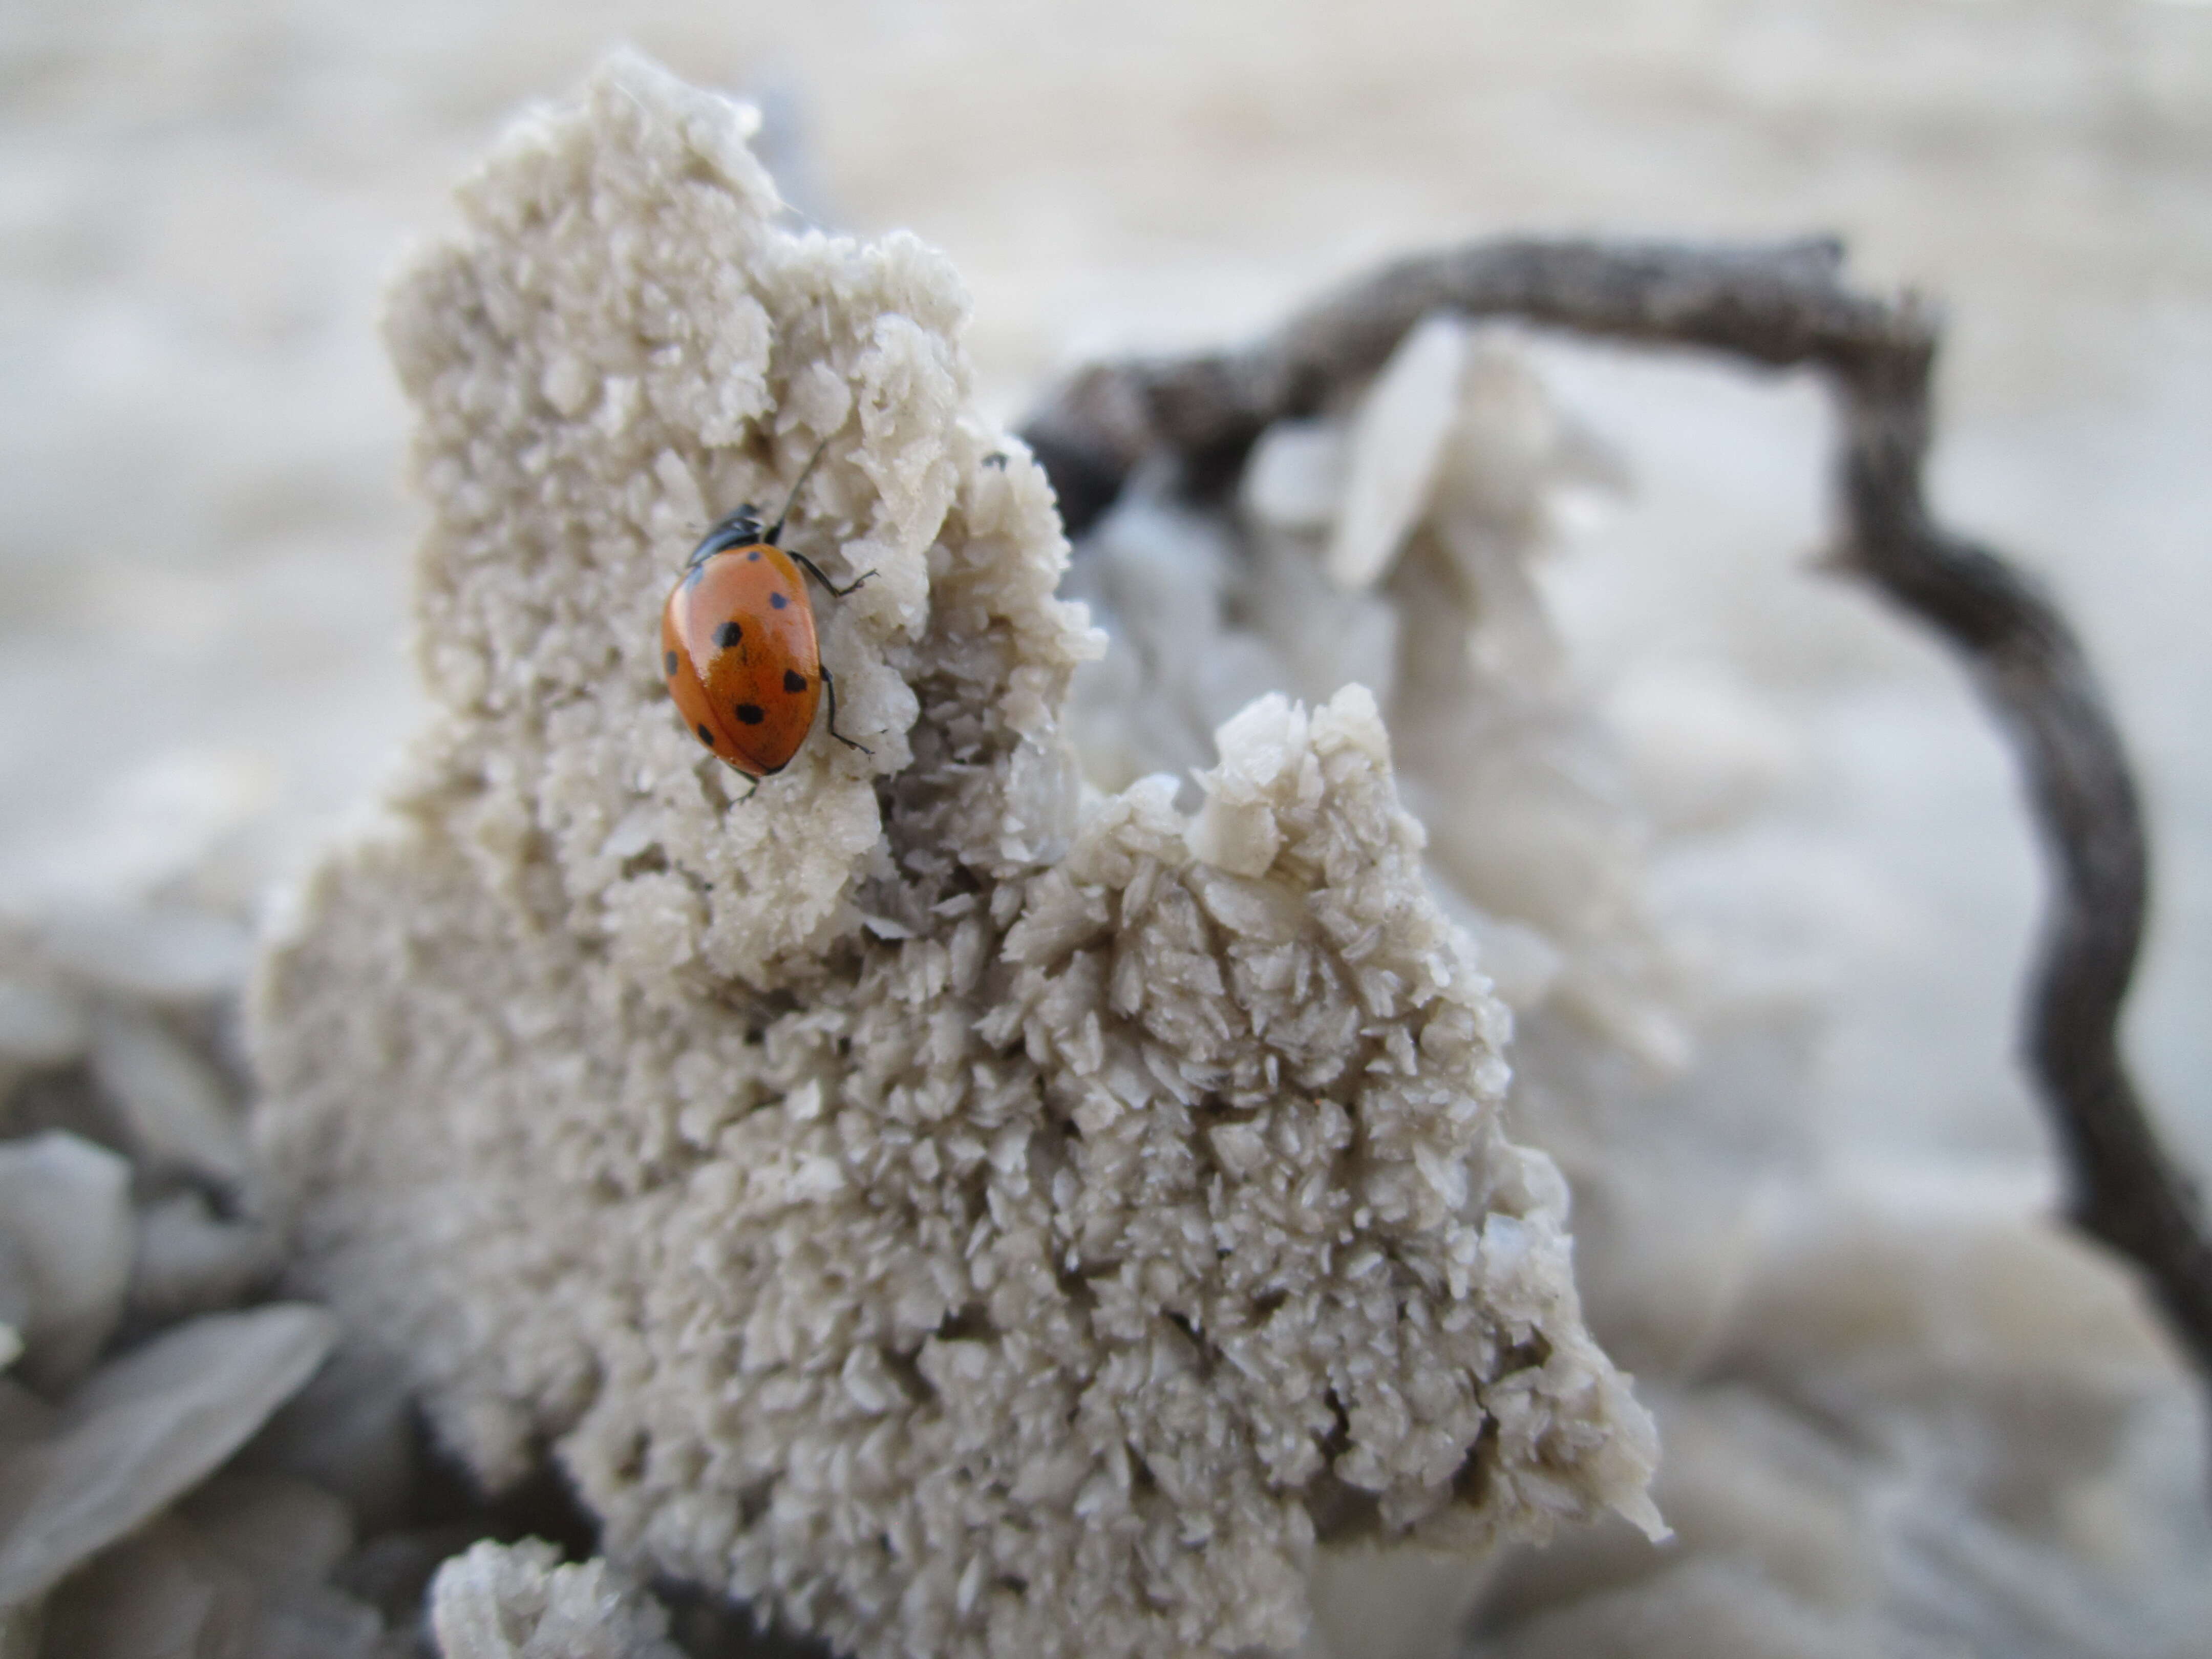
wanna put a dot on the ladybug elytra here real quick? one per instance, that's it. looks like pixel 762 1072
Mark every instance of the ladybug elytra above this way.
pixel 738 645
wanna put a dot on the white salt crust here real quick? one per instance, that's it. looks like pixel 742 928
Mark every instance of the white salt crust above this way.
pixel 967 1228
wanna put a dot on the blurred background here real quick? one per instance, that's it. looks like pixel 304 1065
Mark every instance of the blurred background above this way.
pixel 206 536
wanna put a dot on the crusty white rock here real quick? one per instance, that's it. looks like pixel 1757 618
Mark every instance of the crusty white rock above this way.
pixel 971 1229
pixel 517 1602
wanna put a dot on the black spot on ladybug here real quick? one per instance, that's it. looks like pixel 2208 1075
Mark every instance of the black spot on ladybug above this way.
pixel 668 663
pixel 728 635
pixel 793 681
pixel 749 712
pixel 705 736
pixel 752 558
pixel 777 600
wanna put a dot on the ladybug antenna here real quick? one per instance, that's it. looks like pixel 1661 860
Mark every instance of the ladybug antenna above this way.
pixel 775 531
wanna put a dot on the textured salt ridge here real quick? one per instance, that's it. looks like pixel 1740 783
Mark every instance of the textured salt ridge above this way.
pixel 972 1232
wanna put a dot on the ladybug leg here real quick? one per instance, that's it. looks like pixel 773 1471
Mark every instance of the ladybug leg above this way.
pixel 749 794
pixel 830 684
pixel 835 592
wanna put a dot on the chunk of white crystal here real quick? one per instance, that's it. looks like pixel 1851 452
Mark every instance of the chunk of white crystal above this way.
pixel 65 1240
pixel 179 1115
pixel 190 1260
pixel 518 1601
pixel 1397 440
pixel 1294 479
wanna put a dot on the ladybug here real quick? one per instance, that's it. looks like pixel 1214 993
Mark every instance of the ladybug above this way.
pixel 737 645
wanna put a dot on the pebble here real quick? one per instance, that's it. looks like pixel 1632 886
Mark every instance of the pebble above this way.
pixel 169 954
pixel 190 1260
pixel 178 1111
pixel 65 1245
pixel 1296 476
pixel 517 1602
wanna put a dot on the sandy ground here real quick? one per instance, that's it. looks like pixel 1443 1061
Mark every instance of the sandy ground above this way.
pixel 204 545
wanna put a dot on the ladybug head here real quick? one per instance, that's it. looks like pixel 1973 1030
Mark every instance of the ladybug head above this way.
pixel 739 529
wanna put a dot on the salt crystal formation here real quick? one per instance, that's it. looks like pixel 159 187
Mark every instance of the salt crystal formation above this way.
pixel 1904 1415
pixel 968 1223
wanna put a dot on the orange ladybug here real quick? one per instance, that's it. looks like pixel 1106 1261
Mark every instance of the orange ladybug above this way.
pixel 737 645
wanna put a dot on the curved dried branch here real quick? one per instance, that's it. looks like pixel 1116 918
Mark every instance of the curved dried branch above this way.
pixel 1781 304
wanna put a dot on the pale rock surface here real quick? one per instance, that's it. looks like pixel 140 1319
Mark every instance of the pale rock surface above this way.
pixel 155 1593
pixel 517 1602
pixel 2000 1358
pixel 237 1569
pixel 141 1431
pixel 1395 444
pixel 965 1226
pixel 180 1117
pixel 1385 1601
pixel 1699 1609
pixel 1704 752
pixel 1928 1452
pixel 173 1590
pixel 167 954
pixel 43 1023
pixel 190 1260
pixel 350 1432
pixel 281 1530
pixel 64 1250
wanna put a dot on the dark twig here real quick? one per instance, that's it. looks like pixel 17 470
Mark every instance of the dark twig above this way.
pixel 1783 305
